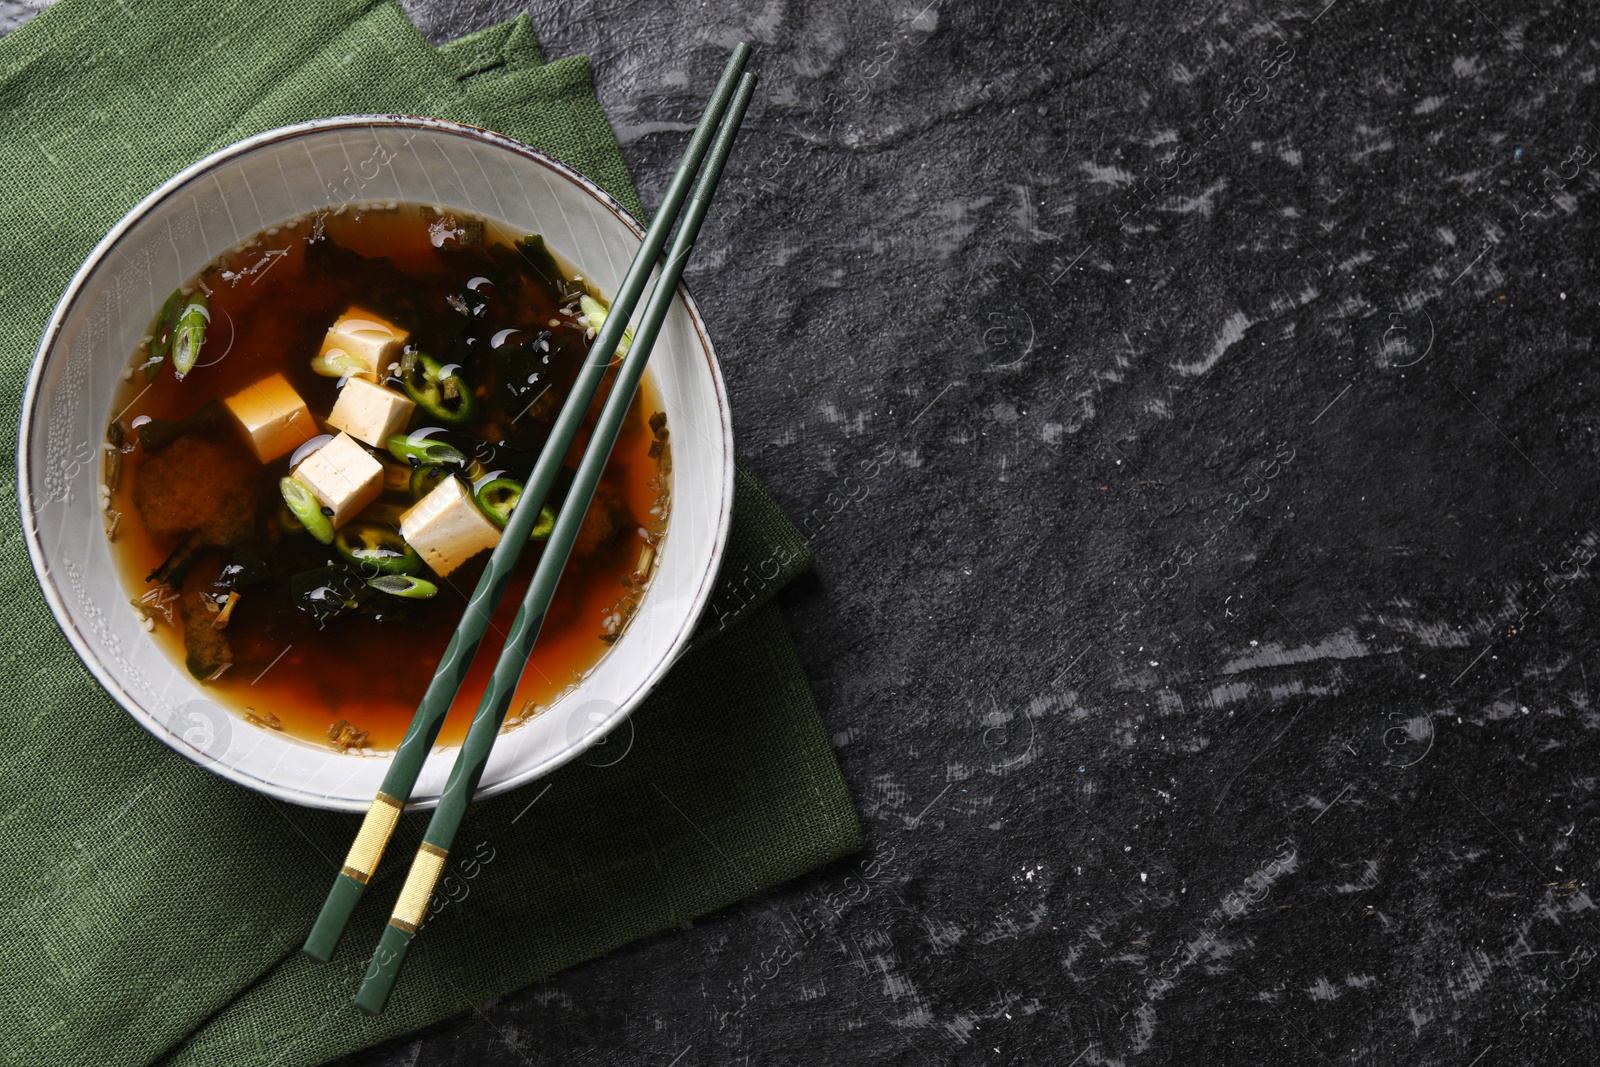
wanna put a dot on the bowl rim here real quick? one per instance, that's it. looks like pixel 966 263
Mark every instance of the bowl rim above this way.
pixel 101 252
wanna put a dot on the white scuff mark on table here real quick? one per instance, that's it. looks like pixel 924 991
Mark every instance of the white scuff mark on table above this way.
pixel 1434 634
pixel 1342 645
pixel 1203 203
pixel 960 221
pixel 1112 175
pixel 1232 331
pixel 1367 880
pixel 1232 692
pixel 1323 990
pixel 942 934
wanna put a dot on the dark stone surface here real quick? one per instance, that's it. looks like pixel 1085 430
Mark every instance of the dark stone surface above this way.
pixel 1203 488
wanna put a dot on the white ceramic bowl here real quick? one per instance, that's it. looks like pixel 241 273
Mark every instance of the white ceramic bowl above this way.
pixel 188 222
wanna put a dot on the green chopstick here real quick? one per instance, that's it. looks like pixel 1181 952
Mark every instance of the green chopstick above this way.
pixel 412 907
pixel 378 826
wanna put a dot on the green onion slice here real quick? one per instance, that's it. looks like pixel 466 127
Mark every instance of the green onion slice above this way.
pixel 596 313
pixel 497 497
pixel 376 548
pixel 303 505
pixel 161 334
pixel 426 478
pixel 190 334
pixel 337 363
pixel 404 585
pixel 437 389
pixel 419 450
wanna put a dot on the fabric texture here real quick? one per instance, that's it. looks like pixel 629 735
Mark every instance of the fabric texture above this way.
pixel 153 911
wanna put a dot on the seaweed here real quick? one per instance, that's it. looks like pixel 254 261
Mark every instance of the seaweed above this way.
pixel 327 592
pixel 178 561
pixel 522 370
pixel 200 485
pixel 330 259
pixel 385 289
pixel 509 262
pixel 205 419
pixel 510 460
pixel 331 591
pixel 533 376
pixel 207 652
pixel 537 258
pixel 246 566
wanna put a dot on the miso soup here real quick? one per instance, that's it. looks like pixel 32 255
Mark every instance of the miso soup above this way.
pixel 318 443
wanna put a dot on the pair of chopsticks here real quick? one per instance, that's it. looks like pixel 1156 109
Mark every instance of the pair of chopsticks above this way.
pixel 714 136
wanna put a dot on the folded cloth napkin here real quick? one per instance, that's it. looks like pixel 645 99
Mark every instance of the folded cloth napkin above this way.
pixel 153 912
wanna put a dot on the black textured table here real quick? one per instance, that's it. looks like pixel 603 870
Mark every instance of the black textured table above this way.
pixel 1194 414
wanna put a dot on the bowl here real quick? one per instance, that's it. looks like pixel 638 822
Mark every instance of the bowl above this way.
pixel 187 223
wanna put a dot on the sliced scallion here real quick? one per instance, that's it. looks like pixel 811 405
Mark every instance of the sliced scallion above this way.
pixel 377 548
pixel 190 334
pixel 337 363
pixel 161 334
pixel 437 389
pixel 426 479
pixel 596 313
pixel 497 497
pixel 420 451
pixel 304 506
pixel 404 585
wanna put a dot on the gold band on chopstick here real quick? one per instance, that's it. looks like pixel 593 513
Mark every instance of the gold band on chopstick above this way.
pixel 412 906
pixel 373 837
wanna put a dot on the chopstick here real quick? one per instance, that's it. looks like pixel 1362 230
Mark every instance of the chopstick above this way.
pixel 378 826
pixel 434 852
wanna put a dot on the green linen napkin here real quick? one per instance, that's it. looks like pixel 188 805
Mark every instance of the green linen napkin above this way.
pixel 153 911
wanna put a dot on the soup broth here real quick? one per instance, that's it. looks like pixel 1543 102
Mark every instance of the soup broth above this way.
pixel 458 336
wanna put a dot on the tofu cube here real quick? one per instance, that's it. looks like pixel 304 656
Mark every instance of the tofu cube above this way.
pixel 372 343
pixel 446 527
pixel 274 418
pixel 370 412
pixel 342 476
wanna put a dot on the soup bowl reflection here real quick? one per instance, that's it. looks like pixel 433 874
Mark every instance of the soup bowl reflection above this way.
pixel 186 224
